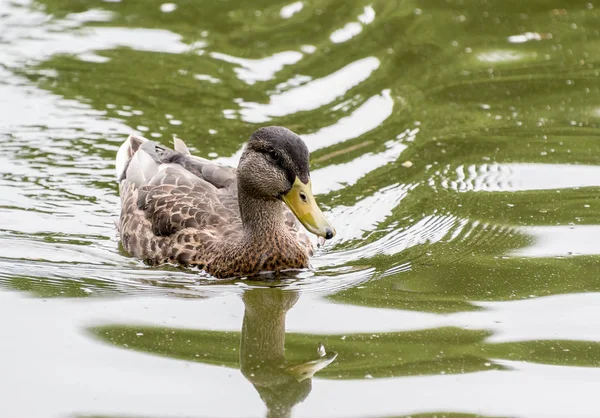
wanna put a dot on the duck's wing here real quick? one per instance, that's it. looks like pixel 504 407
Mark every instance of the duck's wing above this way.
pixel 218 175
pixel 175 190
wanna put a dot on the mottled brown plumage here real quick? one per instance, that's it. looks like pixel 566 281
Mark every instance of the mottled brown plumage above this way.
pixel 177 208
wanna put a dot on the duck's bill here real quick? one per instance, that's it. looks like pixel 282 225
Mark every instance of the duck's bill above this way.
pixel 302 203
pixel 308 369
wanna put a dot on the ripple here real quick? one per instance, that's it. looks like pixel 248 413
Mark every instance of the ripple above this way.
pixel 559 317
pixel 430 229
pixel 353 222
pixel 253 70
pixel 29 111
pixel 351 29
pixel 368 116
pixel 312 95
pixel 338 176
pixel 26 39
pixel 291 9
pixel 519 177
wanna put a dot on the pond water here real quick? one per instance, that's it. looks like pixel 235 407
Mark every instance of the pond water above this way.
pixel 454 146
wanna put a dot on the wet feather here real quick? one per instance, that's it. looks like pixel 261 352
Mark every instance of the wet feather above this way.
pixel 183 209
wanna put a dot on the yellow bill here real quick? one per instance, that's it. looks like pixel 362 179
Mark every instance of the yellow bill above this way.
pixel 308 369
pixel 302 203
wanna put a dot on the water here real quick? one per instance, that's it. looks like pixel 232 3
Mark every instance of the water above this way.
pixel 453 147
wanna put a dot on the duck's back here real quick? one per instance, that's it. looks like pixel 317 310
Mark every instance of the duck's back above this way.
pixel 171 199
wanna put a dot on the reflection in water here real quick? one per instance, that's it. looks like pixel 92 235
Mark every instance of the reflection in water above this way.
pixel 312 95
pixel 519 177
pixel 281 384
pixel 455 143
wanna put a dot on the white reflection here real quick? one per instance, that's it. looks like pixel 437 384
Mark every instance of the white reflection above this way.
pixel 28 249
pixel 117 381
pixel 349 31
pixel 92 15
pixel 23 105
pixel 293 82
pixel 37 197
pixel 206 77
pixel 534 391
pixel 308 49
pixel 365 118
pixel 430 229
pixel 291 9
pixel 253 70
pixel 558 317
pixel 152 382
pixel 528 36
pixel 311 95
pixel 368 15
pixel 90 57
pixel 553 241
pixel 32 35
pixel 338 176
pixel 93 39
pixel 520 176
pixel 168 7
pixel 499 56
pixel 352 222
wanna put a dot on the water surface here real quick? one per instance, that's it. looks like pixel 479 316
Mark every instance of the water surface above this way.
pixel 453 145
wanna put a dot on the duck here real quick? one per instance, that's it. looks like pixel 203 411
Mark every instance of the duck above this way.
pixel 182 209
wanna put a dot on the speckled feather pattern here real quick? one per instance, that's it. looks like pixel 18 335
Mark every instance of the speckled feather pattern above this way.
pixel 188 213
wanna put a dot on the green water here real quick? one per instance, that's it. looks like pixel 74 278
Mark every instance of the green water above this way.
pixel 454 146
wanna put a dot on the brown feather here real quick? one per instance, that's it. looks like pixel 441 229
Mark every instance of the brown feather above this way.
pixel 189 213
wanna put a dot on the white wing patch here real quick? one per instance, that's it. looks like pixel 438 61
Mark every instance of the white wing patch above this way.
pixel 124 154
pixel 141 168
pixel 180 146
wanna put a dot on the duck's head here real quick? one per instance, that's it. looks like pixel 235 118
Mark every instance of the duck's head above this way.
pixel 274 165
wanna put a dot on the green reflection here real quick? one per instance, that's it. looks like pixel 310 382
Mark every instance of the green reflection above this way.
pixel 276 362
pixel 280 383
pixel 282 379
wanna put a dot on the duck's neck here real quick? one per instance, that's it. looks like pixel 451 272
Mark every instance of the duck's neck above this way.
pixel 262 218
pixel 266 243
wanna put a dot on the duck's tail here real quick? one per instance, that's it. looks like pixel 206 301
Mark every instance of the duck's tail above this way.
pixel 125 153
pixel 139 159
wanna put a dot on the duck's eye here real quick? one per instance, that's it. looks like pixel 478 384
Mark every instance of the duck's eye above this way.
pixel 275 156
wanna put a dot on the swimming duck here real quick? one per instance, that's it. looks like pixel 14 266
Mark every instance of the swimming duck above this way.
pixel 182 209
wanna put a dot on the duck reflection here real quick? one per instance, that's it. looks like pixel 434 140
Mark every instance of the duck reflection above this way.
pixel 258 350
pixel 280 384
